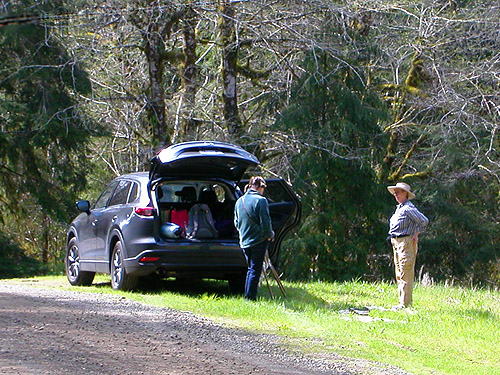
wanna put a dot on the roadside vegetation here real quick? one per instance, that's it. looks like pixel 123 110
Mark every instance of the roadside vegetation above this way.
pixel 450 331
pixel 339 98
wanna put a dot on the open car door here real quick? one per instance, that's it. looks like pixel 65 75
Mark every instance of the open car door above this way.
pixel 285 210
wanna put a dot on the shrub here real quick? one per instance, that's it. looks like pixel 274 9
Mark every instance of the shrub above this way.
pixel 15 263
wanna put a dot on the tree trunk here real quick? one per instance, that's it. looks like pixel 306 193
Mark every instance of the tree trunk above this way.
pixel 45 239
pixel 229 68
pixel 189 75
pixel 154 51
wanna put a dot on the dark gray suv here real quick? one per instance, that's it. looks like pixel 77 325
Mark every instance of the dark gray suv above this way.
pixel 128 233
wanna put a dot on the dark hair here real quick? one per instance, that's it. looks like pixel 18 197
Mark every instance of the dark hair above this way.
pixel 255 182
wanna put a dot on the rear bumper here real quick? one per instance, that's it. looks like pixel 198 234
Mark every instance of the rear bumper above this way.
pixel 219 260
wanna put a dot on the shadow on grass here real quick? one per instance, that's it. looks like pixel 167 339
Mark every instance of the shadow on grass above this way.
pixel 479 314
pixel 296 298
pixel 188 287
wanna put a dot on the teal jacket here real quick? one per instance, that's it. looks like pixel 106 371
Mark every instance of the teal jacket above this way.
pixel 252 219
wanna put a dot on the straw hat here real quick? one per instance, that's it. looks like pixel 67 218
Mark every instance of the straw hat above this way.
pixel 402 186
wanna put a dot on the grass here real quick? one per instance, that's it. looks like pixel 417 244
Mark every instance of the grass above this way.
pixel 450 330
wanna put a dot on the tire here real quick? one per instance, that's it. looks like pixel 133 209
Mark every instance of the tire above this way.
pixel 237 284
pixel 75 275
pixel 120 279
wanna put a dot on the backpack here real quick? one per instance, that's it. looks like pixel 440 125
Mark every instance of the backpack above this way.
pixel 201 222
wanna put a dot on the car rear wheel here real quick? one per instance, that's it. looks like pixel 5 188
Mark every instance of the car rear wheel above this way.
pixel 120 279
pixel 75 275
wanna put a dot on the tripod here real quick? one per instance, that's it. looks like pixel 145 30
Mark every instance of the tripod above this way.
pixel 268 265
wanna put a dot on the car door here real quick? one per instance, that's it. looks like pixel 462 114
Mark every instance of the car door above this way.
pixel 107 219
pixel 86 239
pixel 89 234
pixel 285 211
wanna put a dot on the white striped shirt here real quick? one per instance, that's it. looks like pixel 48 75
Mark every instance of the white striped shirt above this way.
pixel 407 220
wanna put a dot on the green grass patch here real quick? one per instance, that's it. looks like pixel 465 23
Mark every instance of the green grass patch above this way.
pixel 450 330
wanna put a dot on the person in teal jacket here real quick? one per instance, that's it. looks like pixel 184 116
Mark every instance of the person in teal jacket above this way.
pixel 253 222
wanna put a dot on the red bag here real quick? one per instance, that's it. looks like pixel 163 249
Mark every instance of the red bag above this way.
pixel 180 217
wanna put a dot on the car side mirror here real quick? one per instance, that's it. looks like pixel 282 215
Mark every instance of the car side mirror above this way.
pixel 83 206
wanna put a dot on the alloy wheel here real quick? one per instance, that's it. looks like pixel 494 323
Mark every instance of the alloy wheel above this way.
pixel 117 268
pixel 73 262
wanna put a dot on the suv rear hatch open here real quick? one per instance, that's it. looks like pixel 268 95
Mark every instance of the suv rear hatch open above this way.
pixel 217 161
pixel 202 160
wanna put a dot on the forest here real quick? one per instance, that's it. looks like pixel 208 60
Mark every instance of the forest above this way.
pixel 340 98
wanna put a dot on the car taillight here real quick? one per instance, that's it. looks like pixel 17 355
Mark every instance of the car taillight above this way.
pixel 144 211
pixel 148 259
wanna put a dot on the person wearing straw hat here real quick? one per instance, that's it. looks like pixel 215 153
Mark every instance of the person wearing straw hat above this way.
pixel 404 226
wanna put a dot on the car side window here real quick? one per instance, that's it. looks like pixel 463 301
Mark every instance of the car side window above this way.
pixel 220 192
pixel 134 192
pixel 121 193
pixel 275 194
pixel 104 197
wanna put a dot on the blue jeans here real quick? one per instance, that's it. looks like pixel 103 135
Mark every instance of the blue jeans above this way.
pixel 255 259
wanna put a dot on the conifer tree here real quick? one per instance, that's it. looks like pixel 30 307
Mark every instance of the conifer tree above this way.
pixel 42 133
pixel 334 120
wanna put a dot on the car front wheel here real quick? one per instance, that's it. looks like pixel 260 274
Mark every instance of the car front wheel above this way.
pixel 120 279
pixel 75 275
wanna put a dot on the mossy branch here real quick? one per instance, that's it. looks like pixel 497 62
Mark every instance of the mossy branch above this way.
pixel 396 174
pixel 174 57
pixel 248 72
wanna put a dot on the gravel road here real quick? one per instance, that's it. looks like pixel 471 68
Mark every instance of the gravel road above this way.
pixel 49 331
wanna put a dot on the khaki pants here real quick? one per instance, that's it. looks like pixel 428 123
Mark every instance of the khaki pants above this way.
pixel 405 255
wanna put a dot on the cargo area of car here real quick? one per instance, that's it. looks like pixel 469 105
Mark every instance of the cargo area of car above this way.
pixel 178 201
